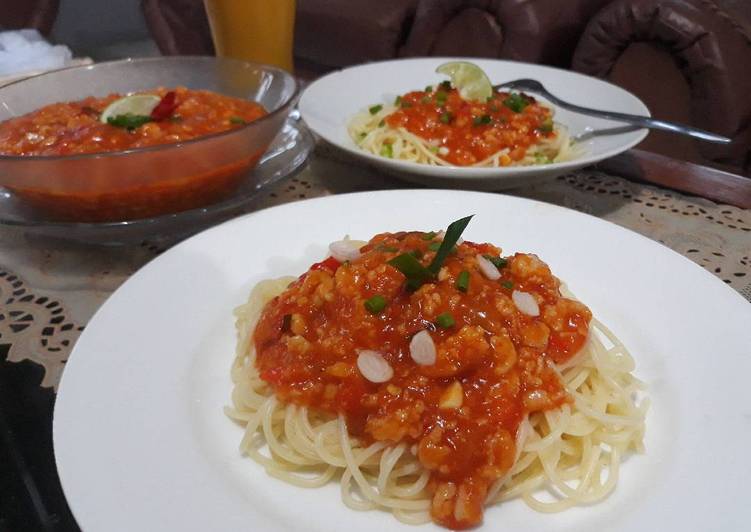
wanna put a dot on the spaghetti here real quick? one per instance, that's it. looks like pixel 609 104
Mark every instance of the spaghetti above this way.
pixel 569 445
pixel 438 127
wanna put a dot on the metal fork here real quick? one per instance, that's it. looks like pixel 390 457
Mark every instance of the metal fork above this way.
pixel 535 86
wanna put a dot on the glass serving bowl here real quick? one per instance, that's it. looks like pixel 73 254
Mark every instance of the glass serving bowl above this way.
pixel 151 181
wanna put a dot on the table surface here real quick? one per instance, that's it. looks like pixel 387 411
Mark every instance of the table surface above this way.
pixel 49 289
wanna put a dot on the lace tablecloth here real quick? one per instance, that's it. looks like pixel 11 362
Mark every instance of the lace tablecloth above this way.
pixel 50 290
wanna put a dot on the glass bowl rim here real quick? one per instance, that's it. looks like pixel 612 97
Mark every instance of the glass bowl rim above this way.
pixel 159 147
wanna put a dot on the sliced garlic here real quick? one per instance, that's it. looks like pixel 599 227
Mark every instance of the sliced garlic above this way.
pixel 422 349
pixel 526 303
pixel 374 367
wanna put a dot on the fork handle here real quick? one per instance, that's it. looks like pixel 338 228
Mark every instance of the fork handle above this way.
pixel 642 121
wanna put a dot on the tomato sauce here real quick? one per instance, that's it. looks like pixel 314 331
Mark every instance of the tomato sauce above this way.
pixel 74 128
pixel 465 132
pixel 461 414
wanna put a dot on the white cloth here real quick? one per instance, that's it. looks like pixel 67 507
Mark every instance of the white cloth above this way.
pixel 27 51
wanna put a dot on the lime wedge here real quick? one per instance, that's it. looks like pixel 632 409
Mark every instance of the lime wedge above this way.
pixel 135 104
pixel 469 79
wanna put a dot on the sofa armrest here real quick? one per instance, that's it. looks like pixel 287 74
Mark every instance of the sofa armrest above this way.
pixel 711 49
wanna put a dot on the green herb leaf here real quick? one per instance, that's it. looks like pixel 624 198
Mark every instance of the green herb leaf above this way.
pixel 398 100
pixel 429 236
pixel 445 320
pixel 415 272
pixel 375 108
pixel 375 304
pixel 387 150
pixel 381 123
pixel 498 262
pixel 440 98
pixel 416 253
pixel 516 102
pixel 507 284
pixel 453 232
pixel 237 120
pixel 446 85
pixel 128 120
pixel 462 281
pixel 429 88
pixel 445 117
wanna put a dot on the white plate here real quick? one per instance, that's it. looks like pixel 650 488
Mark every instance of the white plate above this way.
pixel 141 441
pixel 328 104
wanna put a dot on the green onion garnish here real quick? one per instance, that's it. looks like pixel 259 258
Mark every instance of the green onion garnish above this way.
pixel 387 151
pixel 440 98
pixel 433 149
pixel 237 120
pixel 445 320
pixel 462 282
pixel 445 117
pixel 375 304
pixel 381 123
pixel 128 121
pixel 386 248
pixel 446 85
pixel 498 262
pixel 429 88
pixel 397 100
pixel 416 253
pixel 507 284
pixel 546 126
pixel 434 246
pixel 481 120
pixel 429 236
pixel 453 232
pixel 416 273
pixel 516 102
pixel 374 109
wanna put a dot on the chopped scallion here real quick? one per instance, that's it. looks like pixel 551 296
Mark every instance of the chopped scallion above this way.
pixel 498 262
pixel 387 150
pixel 445 320
pixel 462 281
pixel 237 120
pixel 375 304
pixel 507 284
pixel 440 98
pixel 446 85
pixel 453 232
pixel 481 120
pixel 445 117
pixel 398 100
pixel 415 272
pixel 374 109
pixel 381 123
pixel 516 102
pixel 429 88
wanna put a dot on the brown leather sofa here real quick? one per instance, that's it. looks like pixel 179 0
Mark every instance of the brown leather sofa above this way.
pixel 689 60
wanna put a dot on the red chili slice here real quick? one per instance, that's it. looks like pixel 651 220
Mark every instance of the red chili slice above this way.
pixel 165 107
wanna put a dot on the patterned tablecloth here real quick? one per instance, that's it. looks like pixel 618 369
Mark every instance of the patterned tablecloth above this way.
pixel 49 290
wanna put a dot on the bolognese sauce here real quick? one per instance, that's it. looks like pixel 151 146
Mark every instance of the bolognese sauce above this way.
pixel 69 128
pixel 468 131
pixel 493 329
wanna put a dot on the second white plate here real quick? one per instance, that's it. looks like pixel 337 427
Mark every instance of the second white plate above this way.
pixel 328 104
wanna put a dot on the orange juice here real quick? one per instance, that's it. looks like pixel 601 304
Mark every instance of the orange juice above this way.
pixel 255 30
